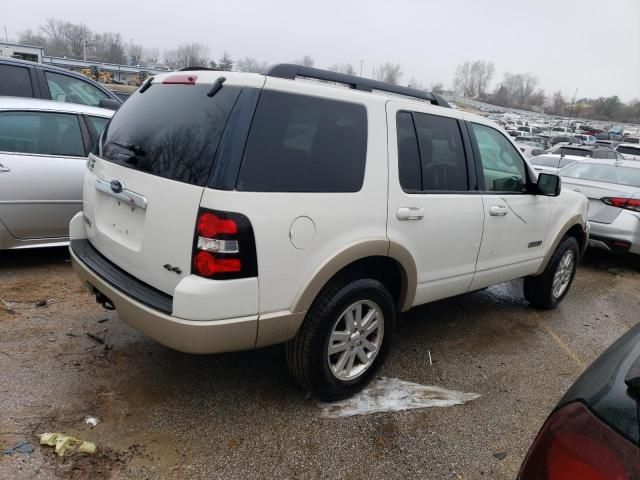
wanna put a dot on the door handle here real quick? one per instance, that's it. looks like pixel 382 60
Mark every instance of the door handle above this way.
pixel 410 213
pixel 498 211
pixel 4 169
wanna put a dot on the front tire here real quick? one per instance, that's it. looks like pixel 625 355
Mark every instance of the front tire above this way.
pixel 344 338
pixel 547 290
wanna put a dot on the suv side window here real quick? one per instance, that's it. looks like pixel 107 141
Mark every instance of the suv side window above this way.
pixel 16 81
pixel 503 168
pixel 64 88
pixel 430 153
pixel 41 133
pixel 300 143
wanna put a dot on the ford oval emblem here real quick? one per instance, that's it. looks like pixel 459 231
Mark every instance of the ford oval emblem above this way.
pixel 116 186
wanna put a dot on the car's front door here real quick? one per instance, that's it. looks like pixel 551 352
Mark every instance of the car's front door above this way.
pixel 42 160
pixel 434 209
pixel 516 220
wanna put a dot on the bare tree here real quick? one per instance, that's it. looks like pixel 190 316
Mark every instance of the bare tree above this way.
pixel 557 103
pixel 29 37
pixel 107 47
pixel 306 61
pixel 151 55
pixel 56 43
pixel 248 64
pixel 481 73
pixel 345 68
pixel 225 63
pixel 187 55
pixel 463 80
pixel 472 78
pixel 389 72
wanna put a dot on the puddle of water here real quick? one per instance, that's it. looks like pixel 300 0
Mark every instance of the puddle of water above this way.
pixel 393 395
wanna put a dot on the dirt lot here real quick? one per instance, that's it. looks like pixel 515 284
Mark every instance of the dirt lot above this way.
pixel 170 415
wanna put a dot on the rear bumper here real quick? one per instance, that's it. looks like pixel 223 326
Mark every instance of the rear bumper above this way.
pixel 625 228
pixel 191 336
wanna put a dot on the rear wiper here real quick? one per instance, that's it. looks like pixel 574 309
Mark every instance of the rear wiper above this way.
pixel 137 149
pixel 215 88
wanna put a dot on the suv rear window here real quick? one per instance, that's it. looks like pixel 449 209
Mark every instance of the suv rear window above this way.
pixel 171 131
pixel 300 143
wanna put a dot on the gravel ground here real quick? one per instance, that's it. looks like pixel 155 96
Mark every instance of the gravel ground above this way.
pixel 169 415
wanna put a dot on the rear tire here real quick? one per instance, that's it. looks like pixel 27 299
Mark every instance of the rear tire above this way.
pixel 332 320
pixel 547 290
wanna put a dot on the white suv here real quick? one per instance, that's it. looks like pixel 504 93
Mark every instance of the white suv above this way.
pixel 228 211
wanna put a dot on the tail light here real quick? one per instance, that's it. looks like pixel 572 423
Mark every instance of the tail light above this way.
pixel 621 202
pixel 224 246
pixel 574 445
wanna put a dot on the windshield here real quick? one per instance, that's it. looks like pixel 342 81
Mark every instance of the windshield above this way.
pixel 171 131
pixel 596 172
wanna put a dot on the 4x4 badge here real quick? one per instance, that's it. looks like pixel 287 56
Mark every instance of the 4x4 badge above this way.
pixel 177 270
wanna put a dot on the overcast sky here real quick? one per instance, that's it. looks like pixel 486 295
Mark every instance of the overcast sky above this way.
pixel 592 45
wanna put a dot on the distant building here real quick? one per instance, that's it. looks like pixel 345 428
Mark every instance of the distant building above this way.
pixel 22 52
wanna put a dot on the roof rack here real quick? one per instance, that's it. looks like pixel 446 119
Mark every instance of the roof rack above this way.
pixel 291 71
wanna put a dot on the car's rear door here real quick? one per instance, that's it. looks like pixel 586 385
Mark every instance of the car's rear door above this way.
pixel 42 159
pixel 435 210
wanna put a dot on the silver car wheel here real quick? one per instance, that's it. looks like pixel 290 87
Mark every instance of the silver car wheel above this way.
pixel 563 274
pixel 355 341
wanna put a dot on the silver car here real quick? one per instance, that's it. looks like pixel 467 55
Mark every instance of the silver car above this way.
pixel 552 163
pixel 613 189
pixel 43 151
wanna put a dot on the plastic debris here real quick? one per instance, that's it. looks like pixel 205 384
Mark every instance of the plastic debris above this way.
pixel 93 421
pixel 7 307
pixel 64 443
pixel 22 447
pixel 392 395
pixel 41 303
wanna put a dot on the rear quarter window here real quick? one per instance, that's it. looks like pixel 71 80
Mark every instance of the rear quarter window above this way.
pixel 15 81
pixel 300 143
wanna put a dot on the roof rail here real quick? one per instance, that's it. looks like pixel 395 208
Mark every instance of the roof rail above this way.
pixel 291 71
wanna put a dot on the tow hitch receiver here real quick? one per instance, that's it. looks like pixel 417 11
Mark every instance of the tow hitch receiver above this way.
pixel 103 300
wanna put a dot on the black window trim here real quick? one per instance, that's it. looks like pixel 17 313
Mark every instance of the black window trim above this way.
pixel 479 168
pixel 472 178
pixel 83 133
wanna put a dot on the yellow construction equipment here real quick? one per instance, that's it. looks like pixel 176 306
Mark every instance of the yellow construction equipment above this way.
pixel 96 73
pixel 139 78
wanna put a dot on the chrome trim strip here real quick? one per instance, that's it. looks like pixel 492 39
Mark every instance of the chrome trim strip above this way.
pixel 40 202
pixel 131 198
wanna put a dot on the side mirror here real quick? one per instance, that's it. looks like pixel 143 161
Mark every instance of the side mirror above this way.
pixel 109 103
pixel 549 184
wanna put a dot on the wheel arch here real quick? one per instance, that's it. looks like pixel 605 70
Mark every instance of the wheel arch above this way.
pixel 574 227
pixel 387 262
